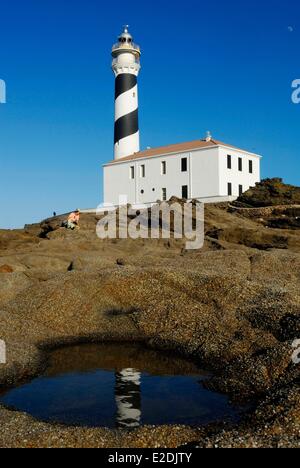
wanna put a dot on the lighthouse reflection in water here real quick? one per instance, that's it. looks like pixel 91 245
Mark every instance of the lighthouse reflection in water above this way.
pixel 119 386
pixel 128 398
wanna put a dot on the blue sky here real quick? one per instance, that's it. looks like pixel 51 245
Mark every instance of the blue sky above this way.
pixel 221 66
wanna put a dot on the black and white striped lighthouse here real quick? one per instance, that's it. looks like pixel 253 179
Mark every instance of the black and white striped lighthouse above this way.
pixel 126 67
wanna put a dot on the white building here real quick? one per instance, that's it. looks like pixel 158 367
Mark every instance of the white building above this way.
pixel 207 169
pixel 204 169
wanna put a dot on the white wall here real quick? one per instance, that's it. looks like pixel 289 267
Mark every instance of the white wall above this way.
pixel 233 175
pixel 117 182
pixel 205 173
pixel 207 176
pixel 117 179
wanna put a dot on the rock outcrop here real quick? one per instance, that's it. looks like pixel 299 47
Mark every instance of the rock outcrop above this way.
pixel 233 306
pixel 270 192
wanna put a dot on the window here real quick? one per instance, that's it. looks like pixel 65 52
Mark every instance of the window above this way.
pixel 229 161
pixel 229 189
pixel 251 167
pixel 164 194
pixel 240 164
pixel 163 168
pixel 185 192
pixel 142 171
pixel 131 172
pixel 240 190
pixel 184 165
pixel 142 192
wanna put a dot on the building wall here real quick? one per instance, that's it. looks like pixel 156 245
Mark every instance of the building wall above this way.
pixel 205 181
pixel 207 176
pixel 233 175
pixel 116 182
pixel 154 180
pixel 117 179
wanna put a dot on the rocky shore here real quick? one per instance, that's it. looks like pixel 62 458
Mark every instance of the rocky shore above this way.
pixel 233 306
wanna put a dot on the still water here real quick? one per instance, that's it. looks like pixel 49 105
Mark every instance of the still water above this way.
pixel 119 385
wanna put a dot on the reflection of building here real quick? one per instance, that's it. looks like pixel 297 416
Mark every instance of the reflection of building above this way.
pixel 128 398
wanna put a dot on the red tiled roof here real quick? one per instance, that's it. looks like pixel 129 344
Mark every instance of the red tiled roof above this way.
pixel 176 148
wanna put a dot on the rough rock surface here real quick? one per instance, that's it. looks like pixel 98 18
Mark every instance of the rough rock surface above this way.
pixel 271 192
pixel 233 306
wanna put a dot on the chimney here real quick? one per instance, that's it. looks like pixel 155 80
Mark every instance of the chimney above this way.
pixel 208 136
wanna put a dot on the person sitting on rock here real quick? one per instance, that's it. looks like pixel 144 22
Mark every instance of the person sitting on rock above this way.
pixel 73 220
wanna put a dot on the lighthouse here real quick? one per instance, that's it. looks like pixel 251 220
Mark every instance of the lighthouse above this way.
pixel 206 169
pixel 126 66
